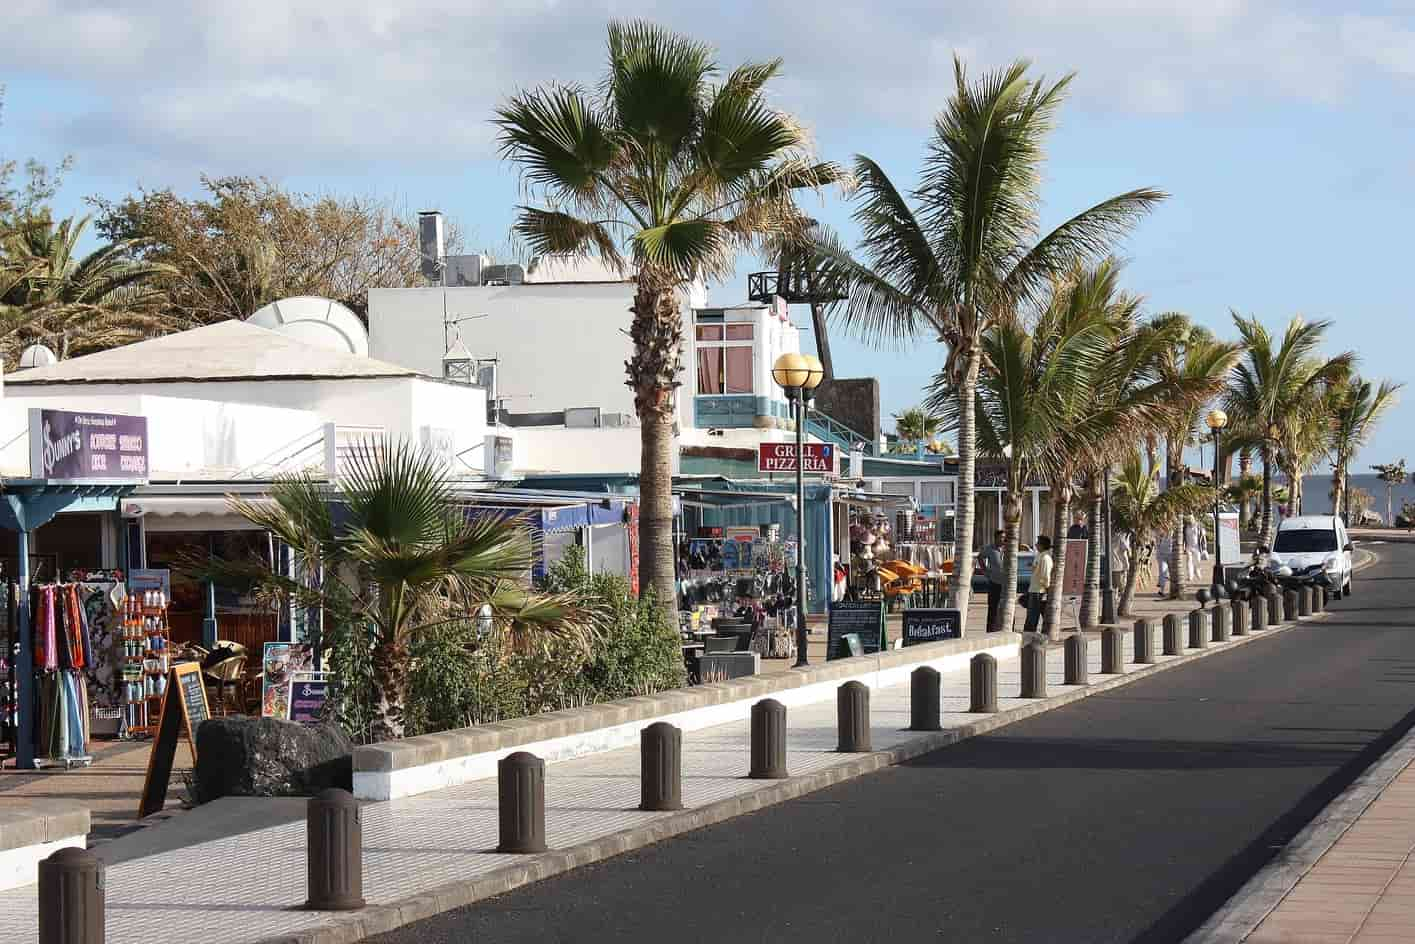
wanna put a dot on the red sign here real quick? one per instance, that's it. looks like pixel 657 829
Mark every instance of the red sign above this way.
pixel 781 457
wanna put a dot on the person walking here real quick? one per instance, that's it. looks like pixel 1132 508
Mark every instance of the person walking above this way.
pixel 1040 583
pixel 1078 530
pixel 1191 549
pixel 1164 550
pixel 991 559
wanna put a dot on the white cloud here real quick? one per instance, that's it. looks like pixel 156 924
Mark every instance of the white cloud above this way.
pixel 290 86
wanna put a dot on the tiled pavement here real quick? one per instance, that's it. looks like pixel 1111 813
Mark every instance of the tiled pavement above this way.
pixel 247 887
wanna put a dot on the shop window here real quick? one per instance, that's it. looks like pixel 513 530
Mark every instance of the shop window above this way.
pixel 725 359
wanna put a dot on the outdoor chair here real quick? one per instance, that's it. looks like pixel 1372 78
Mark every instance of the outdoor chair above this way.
pixel 714 644
pixel 229 678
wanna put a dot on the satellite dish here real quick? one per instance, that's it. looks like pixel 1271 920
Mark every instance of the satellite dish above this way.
pixel 37 355
pixel 321 322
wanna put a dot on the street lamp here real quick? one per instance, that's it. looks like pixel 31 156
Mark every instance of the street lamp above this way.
pixel 1107 579
pixel 1217 420
pixel 799 375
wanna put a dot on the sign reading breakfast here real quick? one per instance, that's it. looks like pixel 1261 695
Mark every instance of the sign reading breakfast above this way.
pixel 87 447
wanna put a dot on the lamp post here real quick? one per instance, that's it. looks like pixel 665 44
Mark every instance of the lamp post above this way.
pixel 1107 580
pixel 799 375
pixel 1217 420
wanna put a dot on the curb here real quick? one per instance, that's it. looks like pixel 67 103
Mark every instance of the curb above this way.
pixel 380 919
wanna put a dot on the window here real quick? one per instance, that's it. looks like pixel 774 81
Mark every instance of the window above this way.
pixel 1304 541
pixel 724 358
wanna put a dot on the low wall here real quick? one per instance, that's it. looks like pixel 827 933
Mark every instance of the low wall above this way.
pixel 32 830
pixel 393 769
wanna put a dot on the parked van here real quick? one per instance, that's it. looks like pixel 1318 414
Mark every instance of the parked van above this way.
pixel 1317 545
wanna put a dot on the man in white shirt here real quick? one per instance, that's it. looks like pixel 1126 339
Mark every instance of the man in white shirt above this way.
pixel 1040 583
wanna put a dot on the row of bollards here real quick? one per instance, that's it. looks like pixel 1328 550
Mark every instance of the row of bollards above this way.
pixel 71 881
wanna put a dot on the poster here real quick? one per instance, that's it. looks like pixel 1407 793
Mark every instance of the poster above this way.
pixel 279 667
pixel 1228 545
pixel 305 699
pixel 1073 582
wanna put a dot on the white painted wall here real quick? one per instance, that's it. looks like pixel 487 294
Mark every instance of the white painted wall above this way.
pixel 557 449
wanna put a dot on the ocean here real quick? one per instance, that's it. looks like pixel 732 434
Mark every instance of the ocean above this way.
pixel 1316 493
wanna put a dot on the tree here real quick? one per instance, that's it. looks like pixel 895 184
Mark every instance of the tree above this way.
pixel 247 242
pixel 1276 386
pixel 965 253
pixel 74 304
pixel 1356 407
pixel 916 425
pixel 399 558
pixel 1146 512
pixel 684 171
pixel 1393 474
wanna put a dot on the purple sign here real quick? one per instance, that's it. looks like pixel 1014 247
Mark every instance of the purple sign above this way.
pixel 87 447
pixel 307 701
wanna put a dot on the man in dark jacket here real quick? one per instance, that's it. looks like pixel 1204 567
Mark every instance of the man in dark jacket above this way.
pixel 991 558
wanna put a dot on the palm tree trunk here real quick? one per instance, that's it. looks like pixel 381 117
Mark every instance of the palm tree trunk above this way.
pixel 657 333
pixel 1091 595
pixel 390 664
pixel 1132 577
pixel 1174 460
pixel 1267 509
pixel 1338 486
pixel 1245 468
pixel 967 469
pixel 1061 512
pixel 1011 529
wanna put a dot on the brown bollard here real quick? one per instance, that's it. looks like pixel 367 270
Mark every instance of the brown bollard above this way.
pixel 1319 599
pixel 1218 623
pixel 1078 669
pixel 1258 610
pixel 1274 608
pixel 852 718
pixel 925 699
pixel 768 740
pixel 1034 670
pixel 1289 606
pixel 1304 602
pixel 1240 617
pixel 982 684
pixel 1112 651
pixel 1173 642
pixel 520 788
pixel 71 905
pixel 1198 629
pixel 1144 642
pixel 334 852
pixel 661 767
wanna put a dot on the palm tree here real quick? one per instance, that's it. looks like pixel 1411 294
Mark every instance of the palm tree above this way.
pixel 73 303
pixel 1393 474
pixel 1357 406
pixel 1276 384
pixel 1146 512
pixel 1241 491
pixel 964 253
pixel 916 425
pixel 675 173
pixel 399 557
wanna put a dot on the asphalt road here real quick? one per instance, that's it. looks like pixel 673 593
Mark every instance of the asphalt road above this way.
pixel 1129 816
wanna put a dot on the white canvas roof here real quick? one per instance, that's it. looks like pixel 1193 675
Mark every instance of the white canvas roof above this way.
pixel 229 350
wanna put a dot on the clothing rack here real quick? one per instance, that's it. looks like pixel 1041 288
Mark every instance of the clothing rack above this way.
pixel 63 651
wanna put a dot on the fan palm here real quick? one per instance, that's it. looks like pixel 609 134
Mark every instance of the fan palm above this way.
pixel 1146 512
pixel 916 425
pixel 1392 474
pixel 1357 406
pixel 668 172
pixel 399 557
pixel 961 251
pixel 1276 385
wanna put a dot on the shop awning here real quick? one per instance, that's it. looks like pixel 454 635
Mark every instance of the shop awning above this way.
pixel 214 510
pixel 552 512
pixel 724 498
pixel 872 499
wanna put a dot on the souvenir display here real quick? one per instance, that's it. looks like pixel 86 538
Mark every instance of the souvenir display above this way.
pixel 145 643
pixel 63 651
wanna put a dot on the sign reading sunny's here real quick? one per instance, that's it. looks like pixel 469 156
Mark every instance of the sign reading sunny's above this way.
pixel 96 448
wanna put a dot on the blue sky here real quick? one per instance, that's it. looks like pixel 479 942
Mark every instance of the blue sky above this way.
pixel 1284 131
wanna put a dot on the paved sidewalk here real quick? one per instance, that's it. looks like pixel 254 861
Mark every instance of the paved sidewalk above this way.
pixel 245 888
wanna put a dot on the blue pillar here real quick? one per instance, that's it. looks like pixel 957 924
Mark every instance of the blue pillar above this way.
pixel 24 665
pixel 208 624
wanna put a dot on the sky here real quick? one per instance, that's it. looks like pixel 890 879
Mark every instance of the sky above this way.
pixel 1284 132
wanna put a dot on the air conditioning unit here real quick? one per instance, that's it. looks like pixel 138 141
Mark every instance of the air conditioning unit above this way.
pixel 462 271
pixel 582 417
pixel 616 420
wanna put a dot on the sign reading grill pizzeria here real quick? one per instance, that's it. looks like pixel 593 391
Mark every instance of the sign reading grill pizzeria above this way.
pixel 87 448
pixel 781 457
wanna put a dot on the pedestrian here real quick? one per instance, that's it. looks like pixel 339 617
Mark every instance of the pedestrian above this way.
pixel 991 558
pixel 1164 550
pixel 1040 583
pixel 1191 549
pixel 1078 530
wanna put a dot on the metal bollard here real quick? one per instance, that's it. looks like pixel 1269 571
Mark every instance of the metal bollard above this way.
pixel 1144 642
pixel 1319 599
pixel 852 718
pixel 982 684
pixel 520 789
pixel 1078 670
pixel 1240 617
pixel 1218 624
pixel 1034 670
pixel 1289 606
pixel 925 699
pixel 1304 602
pixel 1258 610
pixel 1172 644
pixel 1112 651
pixel 768 740
pixel 1198 631
pixel 1274 609
pixel 661 767
pixel 71 898
pixel 334 852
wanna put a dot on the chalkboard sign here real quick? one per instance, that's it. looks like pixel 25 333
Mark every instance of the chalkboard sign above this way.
pixel 864 619
pixel 183 705
pixel 922 626
pixel 852 644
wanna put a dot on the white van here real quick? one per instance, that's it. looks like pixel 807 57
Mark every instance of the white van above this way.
pixel 1315 541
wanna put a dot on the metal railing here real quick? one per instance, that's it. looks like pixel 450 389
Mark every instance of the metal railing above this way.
pixel 824 427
